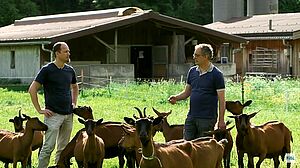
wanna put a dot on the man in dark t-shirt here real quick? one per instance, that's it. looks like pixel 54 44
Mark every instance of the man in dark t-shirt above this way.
pixel 206 88
pixel 60 92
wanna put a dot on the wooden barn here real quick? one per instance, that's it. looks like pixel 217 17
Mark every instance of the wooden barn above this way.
pixel 273 46
pixel 124 43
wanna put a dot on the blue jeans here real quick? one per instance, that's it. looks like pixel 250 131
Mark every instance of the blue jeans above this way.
pixel 59 131
pixel 195 127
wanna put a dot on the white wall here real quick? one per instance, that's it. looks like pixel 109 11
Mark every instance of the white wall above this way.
pixel 27 61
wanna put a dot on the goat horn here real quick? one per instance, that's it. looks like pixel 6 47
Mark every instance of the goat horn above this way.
pixel 141 115
pixel 145 112
pixel 20 113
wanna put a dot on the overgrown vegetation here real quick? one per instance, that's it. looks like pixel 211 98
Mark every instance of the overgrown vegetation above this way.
pixel 277 99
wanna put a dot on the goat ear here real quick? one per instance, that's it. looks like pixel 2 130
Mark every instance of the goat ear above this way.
pixel 228 129
pixel 247 103
pixel 99 121
pixel 228 122
pixel 81 120
pixel 90 109
pixel 26 116
pixel 129 121
pixel 252 115
pixel 157 120
pixel 11 120
pixel 231 116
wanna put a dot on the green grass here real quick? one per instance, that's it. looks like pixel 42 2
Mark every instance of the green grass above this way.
pixel 278 99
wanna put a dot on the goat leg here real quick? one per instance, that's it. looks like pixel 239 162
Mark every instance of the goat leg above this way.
pixel 260 160
pixel 276 161
pixel 250 161
pixel 240 159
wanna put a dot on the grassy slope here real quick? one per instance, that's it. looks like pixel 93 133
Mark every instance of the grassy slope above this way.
pixel 276 100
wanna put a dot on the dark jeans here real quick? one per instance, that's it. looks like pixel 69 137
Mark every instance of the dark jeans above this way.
pixel 195 127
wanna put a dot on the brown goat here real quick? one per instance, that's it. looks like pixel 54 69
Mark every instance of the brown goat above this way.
pixel 269 140
pixel 220 134
pixel 38 136
pixel 155 156
pixel 236 107
pixel 111 133
pixel 89 149
pixel 85 112
pixel 203 152
pixel 170 132
pixel 17 147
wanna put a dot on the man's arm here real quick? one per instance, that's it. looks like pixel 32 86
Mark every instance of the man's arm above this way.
pixel 33 89
pixel 221 98
pixel 75 92
pixel 182 95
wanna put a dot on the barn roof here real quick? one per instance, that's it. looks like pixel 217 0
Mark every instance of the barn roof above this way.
pixel 270 26
pixel 52 28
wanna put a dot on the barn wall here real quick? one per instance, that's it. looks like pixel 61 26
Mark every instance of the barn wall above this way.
pixel 283 60
pixel 27 62
pixel 296 58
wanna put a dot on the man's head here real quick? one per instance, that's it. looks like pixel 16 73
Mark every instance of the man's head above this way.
pixel 203 53
pixel 61 52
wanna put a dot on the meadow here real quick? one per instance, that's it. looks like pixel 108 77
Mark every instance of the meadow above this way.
pixel 276 99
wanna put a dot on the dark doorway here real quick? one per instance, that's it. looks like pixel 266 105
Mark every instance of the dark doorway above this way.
pixel 141 57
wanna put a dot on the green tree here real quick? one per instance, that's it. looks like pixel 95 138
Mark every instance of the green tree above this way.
pixel 11 10
pixel 288 6
pixel 8 12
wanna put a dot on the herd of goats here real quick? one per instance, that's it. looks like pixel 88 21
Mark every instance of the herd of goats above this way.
pixel 134 140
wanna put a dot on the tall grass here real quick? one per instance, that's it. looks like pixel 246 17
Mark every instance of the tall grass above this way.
pixel 277 99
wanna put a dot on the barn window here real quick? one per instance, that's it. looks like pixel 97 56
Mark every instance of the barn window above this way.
pixel 12 60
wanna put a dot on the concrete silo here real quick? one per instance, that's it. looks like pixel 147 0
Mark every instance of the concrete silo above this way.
pixel 258 7
pixel 226 9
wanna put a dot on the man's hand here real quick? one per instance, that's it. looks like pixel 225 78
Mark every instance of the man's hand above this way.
pixel 172 99
pixel 46 112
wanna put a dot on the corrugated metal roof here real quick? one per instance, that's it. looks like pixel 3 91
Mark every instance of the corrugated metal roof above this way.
pixel 273 24
pixel 72 25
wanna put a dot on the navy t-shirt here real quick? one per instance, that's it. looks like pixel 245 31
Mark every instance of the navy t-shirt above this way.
pixel 204 97
pixel 57 89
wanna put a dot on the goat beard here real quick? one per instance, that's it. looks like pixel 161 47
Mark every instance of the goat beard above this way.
pixel 145 141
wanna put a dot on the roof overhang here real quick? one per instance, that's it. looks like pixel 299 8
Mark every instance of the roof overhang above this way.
pixel 33 42
pixel 268 36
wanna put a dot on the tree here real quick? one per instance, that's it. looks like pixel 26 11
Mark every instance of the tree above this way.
pixel 289 6
pixel 11 10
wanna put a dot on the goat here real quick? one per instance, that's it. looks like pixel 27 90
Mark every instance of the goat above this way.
pixel 220 134
pixel 170 132
pixel 38 136
pixel 85 112
pixel 154 156
pixel 89 149
pixel 111 133
pixel 17 147
pixel 204 152
pixel 269 140
pixel 236 107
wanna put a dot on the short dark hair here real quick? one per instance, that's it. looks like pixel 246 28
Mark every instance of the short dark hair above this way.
pixel 56 47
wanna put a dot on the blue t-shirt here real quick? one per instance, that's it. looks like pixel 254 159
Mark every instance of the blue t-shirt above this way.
pixel 57 89
pixel 204 97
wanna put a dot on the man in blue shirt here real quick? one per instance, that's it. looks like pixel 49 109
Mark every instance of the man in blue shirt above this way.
pixel 206 88
pixel 60 91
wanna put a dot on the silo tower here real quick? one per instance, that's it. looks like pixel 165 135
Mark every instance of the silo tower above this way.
pixel 226 9
pixel 259 7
